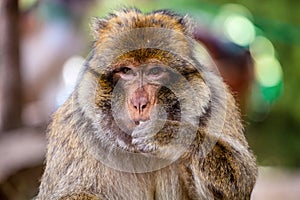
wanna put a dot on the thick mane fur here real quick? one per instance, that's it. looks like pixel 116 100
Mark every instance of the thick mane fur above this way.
pixel 131 18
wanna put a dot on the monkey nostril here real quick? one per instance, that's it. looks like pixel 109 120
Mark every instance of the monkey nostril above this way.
pixel 143 106
pixel 143 101
pixel 139 104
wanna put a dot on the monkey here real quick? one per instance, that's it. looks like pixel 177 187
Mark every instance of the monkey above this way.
pixel 150 118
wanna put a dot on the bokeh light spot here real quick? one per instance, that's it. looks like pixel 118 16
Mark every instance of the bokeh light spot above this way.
pixel 261 47
pixel 71 69
pixel 70 74
pixel 268 71
pixel 239 30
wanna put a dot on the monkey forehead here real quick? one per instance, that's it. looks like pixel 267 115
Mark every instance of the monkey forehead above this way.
pixel 145 56
pixel 145 38
pixel 132 60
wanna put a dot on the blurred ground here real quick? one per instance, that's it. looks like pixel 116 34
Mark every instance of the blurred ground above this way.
pixel 277 184
pixel 22 148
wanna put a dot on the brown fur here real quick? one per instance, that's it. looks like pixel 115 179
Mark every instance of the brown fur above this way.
pixel 72 171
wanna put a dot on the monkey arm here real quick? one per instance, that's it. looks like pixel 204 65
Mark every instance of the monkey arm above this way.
pixel 227 169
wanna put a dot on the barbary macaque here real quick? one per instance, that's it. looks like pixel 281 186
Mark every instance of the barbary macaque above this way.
pixel 150 118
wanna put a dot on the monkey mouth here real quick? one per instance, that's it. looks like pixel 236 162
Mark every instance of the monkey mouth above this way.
pixel 140 118
pixel 139 122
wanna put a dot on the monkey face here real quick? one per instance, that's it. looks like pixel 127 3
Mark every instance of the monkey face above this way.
pixel 148 88
pixel 141 84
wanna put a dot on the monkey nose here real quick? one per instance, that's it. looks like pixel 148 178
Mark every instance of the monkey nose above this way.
pixel 139 103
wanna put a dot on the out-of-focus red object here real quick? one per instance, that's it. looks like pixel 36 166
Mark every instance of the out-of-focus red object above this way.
pixel 234 63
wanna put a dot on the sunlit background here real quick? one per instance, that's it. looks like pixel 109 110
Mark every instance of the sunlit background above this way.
pixel 256 45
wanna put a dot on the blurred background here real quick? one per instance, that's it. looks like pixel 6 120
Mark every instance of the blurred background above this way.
pixel 256 45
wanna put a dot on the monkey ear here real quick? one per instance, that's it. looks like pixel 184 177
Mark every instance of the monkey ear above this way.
pixel 96 25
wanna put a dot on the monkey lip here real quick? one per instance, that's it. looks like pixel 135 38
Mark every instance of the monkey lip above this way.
pixel 140 122
pixel 138 119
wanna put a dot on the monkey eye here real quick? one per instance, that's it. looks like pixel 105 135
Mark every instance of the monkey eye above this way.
pixel 155 71
pixel 126 73
pixel 126 70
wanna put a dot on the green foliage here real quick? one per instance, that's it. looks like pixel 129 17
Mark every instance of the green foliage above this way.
pixel 276 139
